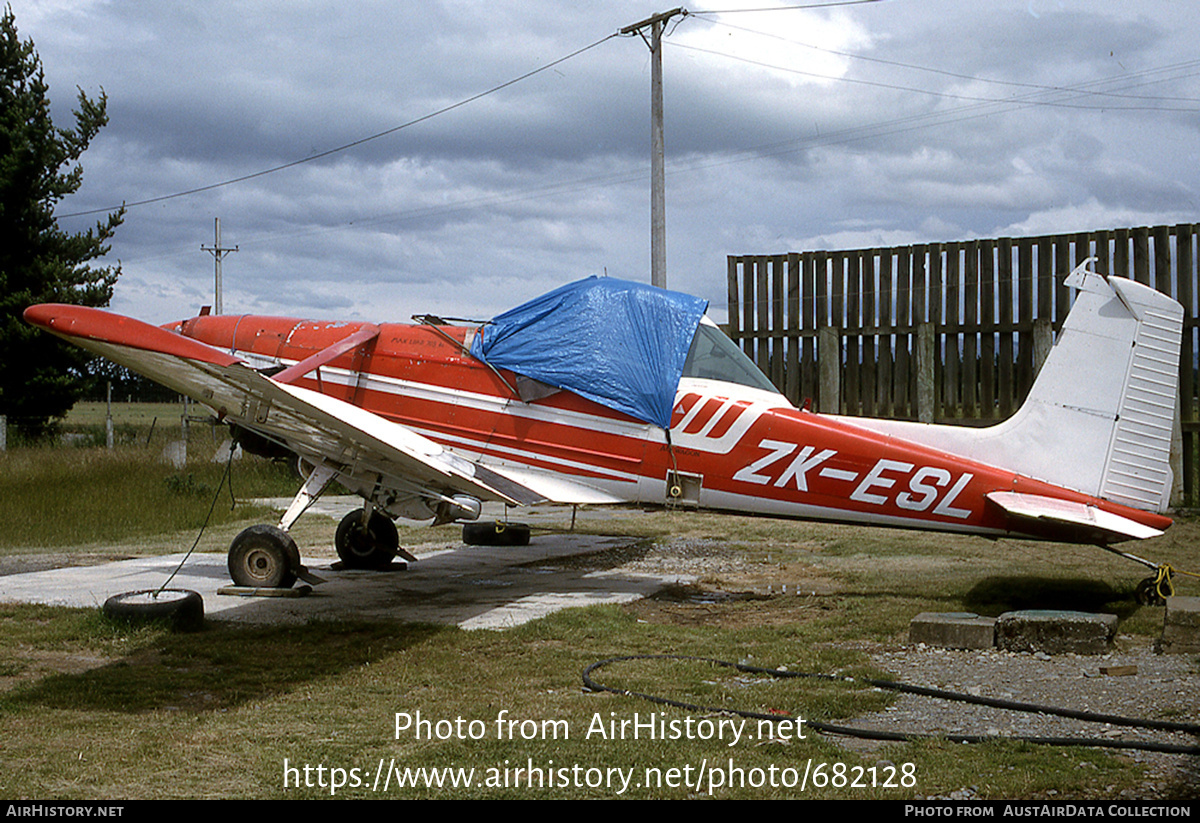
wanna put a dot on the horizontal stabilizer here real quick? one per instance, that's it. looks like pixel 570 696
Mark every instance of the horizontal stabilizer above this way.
pixel 1079 519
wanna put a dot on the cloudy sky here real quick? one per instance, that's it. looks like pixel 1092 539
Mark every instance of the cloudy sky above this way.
pixel 890 122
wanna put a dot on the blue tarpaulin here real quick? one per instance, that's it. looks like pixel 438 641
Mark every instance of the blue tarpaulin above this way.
pixel 619 343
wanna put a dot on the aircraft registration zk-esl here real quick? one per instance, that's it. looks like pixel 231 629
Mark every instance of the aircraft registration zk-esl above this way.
pixel 607 392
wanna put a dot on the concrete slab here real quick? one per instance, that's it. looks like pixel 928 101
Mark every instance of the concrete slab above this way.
pixel 473 587
pixel 953 630
pixel 1055 632
pixel 1181 626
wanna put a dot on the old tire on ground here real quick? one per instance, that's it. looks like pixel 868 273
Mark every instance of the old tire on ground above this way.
pixel 182 609
pixel 264 557
pixel 371 548
pixel 496 534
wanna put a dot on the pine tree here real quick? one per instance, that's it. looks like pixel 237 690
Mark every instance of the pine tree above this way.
pixel 40 379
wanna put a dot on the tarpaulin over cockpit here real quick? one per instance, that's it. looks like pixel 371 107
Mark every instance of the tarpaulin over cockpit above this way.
pixel 619 343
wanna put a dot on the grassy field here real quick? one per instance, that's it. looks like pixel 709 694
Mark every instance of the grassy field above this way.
pixel 89 709
pixel 83 495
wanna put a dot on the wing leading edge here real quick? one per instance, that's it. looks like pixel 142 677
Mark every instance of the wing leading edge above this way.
pixel 320 428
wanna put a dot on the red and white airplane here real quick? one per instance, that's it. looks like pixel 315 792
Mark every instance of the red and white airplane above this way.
pixel 610 392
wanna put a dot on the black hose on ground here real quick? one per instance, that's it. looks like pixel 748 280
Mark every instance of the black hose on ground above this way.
pixel 891 685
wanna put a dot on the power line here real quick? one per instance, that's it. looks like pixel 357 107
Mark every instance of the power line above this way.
pixel 789 8
pixel 866 131
pixel 346 146
pixel 949 95
pixel 942 72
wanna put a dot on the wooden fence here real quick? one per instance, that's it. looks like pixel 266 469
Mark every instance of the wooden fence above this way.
pixel 947 332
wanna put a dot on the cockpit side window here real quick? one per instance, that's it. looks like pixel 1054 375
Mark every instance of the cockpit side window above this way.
pixel 714 356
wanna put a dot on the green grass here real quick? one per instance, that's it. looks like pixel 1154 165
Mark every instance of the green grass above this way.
pixel 56 496
pixel 93 709
pixel 215 714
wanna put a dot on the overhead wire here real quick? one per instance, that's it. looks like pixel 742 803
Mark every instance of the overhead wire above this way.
pixel 980 107
pixel 944 94
pixel 352 144
pixel 707 17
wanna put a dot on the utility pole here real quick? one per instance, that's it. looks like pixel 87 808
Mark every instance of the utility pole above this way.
pixel 658 200
pixel 217 253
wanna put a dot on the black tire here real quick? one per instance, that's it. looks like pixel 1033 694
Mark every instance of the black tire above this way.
pixel 182 609
pixel 264 557
pixel 371 548
pixel 496 534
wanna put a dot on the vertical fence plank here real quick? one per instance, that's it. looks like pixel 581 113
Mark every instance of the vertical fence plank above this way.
pixel 762 314
pixel 1103 252
pixel 1185 279
pixel 904 391
pixel 937 320
pixel 853 335
pixel 1062 267
pixel 970 337
pixel 795 326
pixel 1024 317
pixel 920 286
pixel 777 340
pixel 734 304
pixel 1141 255
pixel 749 344
pixel 987 335
pixel 952 352
pixel 870 383
pixel 1161 277
pixel 808 310
pixel 1121 253
pixel 885 400
pixel 1006 351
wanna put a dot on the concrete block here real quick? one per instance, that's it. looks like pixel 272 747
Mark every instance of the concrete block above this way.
pixel 1055 632
pixel 1181 626
pixel 953 630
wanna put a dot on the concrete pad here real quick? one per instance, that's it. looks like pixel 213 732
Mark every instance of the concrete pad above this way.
pixel 1181 626
pixel 953 630
pixel 1055 632
pixel 473 587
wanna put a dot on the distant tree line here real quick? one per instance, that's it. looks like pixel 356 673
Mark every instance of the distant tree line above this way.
pixel 127 386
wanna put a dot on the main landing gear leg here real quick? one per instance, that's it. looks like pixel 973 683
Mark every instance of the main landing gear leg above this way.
pixel 266 557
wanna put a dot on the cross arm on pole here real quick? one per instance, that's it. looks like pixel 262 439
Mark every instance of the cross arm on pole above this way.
pixel 661 17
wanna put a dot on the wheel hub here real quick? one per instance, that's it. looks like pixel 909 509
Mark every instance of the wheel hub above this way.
pixel 261 564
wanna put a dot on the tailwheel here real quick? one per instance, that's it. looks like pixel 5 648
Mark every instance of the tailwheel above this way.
pixel 496 534
pixel 264 557
pixel 1154 590
pixel 373 547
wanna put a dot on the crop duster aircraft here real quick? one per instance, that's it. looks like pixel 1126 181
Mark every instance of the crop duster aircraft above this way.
pixel 611 392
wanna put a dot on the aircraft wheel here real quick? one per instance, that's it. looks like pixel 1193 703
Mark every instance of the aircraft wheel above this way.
pixel 264 557
pixel 1147 593
pixel 370 548
pixel 496 534
pixel 182 609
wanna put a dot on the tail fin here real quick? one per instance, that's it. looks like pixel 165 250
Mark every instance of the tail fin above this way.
pixel 1100 414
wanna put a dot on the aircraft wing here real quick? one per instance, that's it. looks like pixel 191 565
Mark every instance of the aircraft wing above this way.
pixel 320 428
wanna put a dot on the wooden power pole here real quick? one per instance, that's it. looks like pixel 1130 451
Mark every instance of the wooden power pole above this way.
pixel 217 252
pixel 658 201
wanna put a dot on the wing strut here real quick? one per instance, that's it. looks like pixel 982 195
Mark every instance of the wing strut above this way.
pixel 367 333
pixel 316 483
